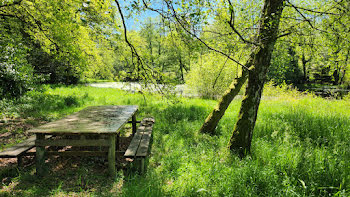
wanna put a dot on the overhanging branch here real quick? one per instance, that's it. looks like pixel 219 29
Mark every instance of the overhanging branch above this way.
pixel 309 10
pixel 301 14
pixel 135 53
pixel 232 25
pixel 199 39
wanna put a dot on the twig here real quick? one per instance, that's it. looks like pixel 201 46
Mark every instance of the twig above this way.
pixel 232 25
pixel 199 39
pixel 309 10
pixel 189 32
pixel 217 77
pixel 301 14
pixel 138 57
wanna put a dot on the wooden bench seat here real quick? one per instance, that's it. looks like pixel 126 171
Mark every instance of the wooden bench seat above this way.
pixel 140 143
pixel 19 150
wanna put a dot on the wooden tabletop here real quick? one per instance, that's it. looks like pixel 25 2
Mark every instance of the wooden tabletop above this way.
pixel 91 120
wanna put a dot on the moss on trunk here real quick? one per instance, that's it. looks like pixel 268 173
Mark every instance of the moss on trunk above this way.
pixel 241 138
pixel 214 117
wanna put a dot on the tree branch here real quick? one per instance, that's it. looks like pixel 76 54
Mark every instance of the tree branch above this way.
pixel 309 10
pixel 38 24
pixel 199 39
pixel 301 14
pixel 189 32
pixel 232 25
pixel 217 77
pixel 154 10
pixel 135 54
pixel 133 50
pixel 285 34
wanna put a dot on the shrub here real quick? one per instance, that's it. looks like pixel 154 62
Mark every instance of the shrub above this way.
pixel 16 75
pixel 211 76
pixel 282 90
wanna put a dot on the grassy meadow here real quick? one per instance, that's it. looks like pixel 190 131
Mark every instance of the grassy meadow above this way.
pixel 300 147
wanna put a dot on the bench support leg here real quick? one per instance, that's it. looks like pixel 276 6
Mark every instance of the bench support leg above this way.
pixel 40 156
pixel 111 155
pixel 133 124
pixel 142 167
pixel 117 142
pixel 19 160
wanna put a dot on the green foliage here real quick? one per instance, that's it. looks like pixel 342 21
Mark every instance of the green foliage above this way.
pixel 284 65
pixel 320 46
pixel 58 41
pixel 16 75
pixel 211 75
pixel 299 149
pixel 283 91
pixel 166 53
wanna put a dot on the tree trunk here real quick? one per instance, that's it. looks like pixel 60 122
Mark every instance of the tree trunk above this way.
pixel 344 70
pixel 336 74
pixel 304 61
pixel 214 117
pixel 181 69
pixel 241 138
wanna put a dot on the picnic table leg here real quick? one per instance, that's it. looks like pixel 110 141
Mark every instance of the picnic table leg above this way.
pixel 133 124
pixel 111 155
pixel 142 165
pixel 19 160
pixel 117 141
pixel 40 156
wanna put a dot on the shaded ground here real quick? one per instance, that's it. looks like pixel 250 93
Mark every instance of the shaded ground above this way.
pixel 14 130
pixel 68 174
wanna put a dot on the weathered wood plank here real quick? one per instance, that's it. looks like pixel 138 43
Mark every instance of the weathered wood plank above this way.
pixel 20 148
pixel 142 151
pixel 111 156
pixel 78 153
pixel 40 157
pixel 91 120
pixel 68 142
pixel 140 143
pixel 149 121
pixel 139 148
pixel 135 142
pixel 142 165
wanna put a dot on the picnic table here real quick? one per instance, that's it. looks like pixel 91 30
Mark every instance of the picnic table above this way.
pixel 92 126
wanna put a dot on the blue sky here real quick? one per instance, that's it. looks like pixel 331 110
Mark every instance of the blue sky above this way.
pixel 135 22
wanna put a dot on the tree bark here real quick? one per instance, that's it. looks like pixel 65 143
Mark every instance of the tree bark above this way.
pixel 241 138
pixel 344 70
pixel 181 69
pixel 214 117
pixel 304 61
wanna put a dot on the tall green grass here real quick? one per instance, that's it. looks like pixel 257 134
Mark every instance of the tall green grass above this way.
pixel 300 147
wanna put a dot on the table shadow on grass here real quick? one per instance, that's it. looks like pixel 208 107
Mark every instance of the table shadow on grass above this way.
pixel 64 176
pixel 81 176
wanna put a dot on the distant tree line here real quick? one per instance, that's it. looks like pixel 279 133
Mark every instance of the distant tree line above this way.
pixel 49 41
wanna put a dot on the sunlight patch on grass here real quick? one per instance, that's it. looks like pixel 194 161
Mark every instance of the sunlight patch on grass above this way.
pixel 300 147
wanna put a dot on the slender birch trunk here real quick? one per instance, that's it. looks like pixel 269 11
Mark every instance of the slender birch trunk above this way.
pixel 241 138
